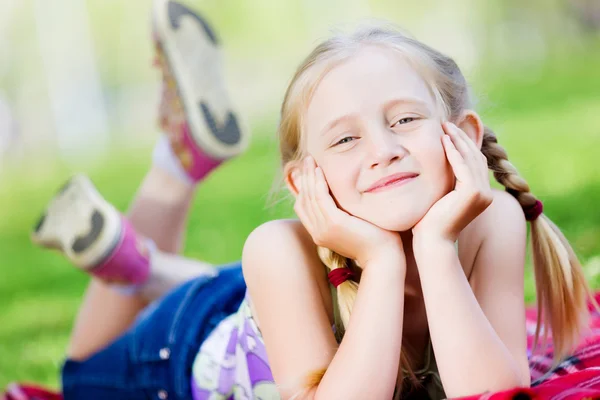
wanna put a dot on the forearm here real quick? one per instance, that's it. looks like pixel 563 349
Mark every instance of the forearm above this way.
pixel 470 356
pixel 366 363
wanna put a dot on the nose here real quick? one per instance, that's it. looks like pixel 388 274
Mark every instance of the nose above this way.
pixel 384 148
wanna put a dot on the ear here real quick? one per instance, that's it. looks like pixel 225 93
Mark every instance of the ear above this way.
pixel 292 171
pixel 471 124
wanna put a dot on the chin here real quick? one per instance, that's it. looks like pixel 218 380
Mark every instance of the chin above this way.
pixel 399 214
pixel 396 215
pixel 395 222
pixel 396 226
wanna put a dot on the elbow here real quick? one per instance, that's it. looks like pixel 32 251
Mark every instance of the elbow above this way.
pixel 496 381
pixel 525 374
pixel 516 377
pixel 302 394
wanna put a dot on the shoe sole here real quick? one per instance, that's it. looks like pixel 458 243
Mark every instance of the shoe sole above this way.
pixel 193 56
pixel 80 223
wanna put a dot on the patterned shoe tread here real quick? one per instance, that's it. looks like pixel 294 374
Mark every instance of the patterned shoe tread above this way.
pixel 177 11
pixel 84 242
pixel 229 133
pixel 39 224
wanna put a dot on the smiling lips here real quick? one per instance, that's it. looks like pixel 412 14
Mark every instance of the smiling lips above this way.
pixel 390 181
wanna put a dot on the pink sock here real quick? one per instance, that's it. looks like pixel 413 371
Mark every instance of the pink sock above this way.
pixel 129 262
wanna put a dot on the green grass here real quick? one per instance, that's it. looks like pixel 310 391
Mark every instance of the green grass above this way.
pixel 552 136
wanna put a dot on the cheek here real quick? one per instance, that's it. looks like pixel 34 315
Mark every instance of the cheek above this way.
pixel 337 180
pixel 433 163
pixel 341 182
pixel 440 172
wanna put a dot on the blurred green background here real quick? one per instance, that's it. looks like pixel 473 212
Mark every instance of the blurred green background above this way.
pixel 77 93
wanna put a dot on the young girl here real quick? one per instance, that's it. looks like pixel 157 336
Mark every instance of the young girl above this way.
pixel 423 290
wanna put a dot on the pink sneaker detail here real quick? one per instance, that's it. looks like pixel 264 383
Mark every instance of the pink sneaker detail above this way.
pixel 196 163
pixel 172 120
pixel 129 262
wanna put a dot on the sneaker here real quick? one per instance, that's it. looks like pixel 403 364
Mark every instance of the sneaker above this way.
pixel 196 112
pixel 92 234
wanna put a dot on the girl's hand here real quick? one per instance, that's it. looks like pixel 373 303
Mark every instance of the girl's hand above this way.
pixel 472 193
pixel 335 229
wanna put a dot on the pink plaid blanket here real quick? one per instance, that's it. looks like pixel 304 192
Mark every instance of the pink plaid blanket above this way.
pixel 576 378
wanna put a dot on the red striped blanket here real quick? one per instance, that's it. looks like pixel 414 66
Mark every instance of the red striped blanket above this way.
pixel 576 378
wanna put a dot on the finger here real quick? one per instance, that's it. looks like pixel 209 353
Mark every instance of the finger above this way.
pixel 316 210
pixel 324 198
pixel 475 152
pixel 309 170
pixel 459 142
pixel 457 162
pixel 301 183
pixel 304 219
pixel 470 142
pixel 307 202
pixel 469 151
pixel 478 157
pixel 300 204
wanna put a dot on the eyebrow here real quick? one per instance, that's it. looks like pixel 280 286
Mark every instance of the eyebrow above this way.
pixel 336 122
pixel 406 101
pixel 387 105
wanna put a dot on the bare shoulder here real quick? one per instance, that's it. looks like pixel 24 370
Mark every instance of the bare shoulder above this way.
pixel 278 240
pixel 283 251
pixel 290 231
pixel 504 217
pixel 505 209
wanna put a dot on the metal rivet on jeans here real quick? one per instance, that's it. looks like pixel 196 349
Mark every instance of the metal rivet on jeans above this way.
pixel 164 353
pixel 163 395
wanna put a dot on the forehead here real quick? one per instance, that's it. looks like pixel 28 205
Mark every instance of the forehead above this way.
pixel 367 80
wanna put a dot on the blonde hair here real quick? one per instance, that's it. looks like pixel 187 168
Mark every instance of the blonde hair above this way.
pixel 560 283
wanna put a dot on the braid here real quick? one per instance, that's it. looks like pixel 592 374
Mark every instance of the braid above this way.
pixel 346 292
pixel 504 171
pixel 561 287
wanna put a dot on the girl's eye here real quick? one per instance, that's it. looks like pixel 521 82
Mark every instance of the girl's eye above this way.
pixel 403 121
pixel 347 139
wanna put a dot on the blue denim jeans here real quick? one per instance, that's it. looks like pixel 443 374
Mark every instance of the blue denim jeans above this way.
pixel 153 360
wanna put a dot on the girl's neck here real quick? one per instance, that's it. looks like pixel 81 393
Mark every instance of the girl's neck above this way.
pixel 412 281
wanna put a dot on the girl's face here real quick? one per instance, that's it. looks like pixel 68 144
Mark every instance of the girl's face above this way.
pixel 375 130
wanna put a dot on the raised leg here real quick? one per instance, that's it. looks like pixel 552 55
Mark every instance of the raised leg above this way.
pixel 200 130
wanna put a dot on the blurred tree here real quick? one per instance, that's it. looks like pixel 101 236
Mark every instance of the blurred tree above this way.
pixel 587 13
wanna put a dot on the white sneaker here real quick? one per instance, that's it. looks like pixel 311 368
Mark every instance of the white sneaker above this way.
pixel 189 54
pixel 80 223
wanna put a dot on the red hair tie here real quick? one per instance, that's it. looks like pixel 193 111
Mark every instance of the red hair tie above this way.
pixel 534 211
pixel 340 275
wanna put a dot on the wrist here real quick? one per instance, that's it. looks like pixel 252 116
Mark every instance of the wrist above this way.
pixel 392 259
pixel 424 245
